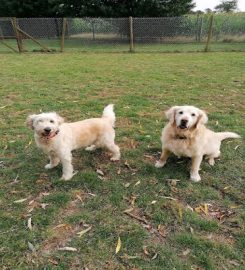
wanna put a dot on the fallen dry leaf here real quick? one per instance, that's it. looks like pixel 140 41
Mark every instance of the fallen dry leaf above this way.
pixel 45 193
pixel 53 261
pixel 31 202
pixel 154 257
pixel 206 209
pixel 29 225
pixel 31 247
pixel 63 226
pixel 149 157
pixel 100 172
pixel 161 230
pixel 145 251
pixel 67 249
pixel 186 252
pixel 233 262
pixel 128 210
pixel 173 182
pixel 44 205
pixel 137 183
pixel 79 198
pixel 21 200
pixel 30 210
pixel 133 199
pixel 236 147
pixel 81 233
pixel 119 244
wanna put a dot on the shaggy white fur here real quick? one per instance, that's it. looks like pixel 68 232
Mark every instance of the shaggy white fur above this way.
pixel 186 135
pixel 58 139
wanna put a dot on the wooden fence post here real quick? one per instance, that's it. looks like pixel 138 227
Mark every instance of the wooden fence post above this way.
pixel 63 33
pixel 210 31
pixel 131 34
pixel 17 34
pixel 33 39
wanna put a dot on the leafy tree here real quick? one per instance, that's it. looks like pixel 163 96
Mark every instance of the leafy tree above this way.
pixel 28 8
pixel 208 10
pixel 227 6
pixel 125 8
pixel 95 8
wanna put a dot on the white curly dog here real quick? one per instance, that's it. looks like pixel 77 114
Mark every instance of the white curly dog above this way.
pixel 186 135
pixel 58 139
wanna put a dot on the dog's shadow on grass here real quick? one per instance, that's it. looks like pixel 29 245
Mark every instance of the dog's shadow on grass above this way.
pixel 175 167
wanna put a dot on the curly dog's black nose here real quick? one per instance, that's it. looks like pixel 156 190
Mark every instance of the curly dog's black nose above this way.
pixel 47 129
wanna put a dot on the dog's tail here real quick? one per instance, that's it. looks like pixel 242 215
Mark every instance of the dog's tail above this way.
pixel 109 114
pixel 225 135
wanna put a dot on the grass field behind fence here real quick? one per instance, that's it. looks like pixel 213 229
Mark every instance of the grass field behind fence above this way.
pixel 78 45
pixel 171 223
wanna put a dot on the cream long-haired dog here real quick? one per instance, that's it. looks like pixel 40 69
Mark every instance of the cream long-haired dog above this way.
pixel 186 135
pixel 58 139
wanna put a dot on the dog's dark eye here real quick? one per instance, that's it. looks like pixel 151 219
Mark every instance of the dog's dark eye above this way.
pixel 52 121
pixel 193 114
pixel 181 112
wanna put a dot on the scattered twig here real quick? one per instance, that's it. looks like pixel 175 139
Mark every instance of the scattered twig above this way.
pixel 136 217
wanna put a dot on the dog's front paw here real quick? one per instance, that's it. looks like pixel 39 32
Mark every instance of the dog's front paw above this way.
pixel 91 148
pixel 195 177
pixel 159 164
pixel 211 161
pixel 116 158
pixel 66 177
pixel 48 166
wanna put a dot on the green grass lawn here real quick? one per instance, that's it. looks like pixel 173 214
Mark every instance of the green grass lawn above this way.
pixel 169 224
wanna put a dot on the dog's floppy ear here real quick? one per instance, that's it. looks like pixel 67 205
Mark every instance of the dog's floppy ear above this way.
pixel 30 119
pixel 202 118
pixel 60 119
pixel 170 114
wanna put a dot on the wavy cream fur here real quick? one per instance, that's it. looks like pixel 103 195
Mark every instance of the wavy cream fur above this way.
pixel 194 141
pixel 65 137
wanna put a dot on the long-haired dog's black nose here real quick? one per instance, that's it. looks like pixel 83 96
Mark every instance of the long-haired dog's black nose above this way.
pixel 183 122
pixel 47 129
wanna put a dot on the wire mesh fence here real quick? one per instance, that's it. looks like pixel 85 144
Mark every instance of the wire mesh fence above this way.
pixel 189 33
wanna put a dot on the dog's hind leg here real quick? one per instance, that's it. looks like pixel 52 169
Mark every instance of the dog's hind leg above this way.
pixel 212 157
pixel 164 156
pixel 115 151
pixel 108 141
pixel 53 161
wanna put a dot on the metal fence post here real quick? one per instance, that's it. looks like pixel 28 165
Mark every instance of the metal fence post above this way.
pixel 131 34
pixel 210 31
pixel 63 33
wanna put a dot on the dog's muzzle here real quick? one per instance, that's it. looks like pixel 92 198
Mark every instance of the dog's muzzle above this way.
pixel 183 124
